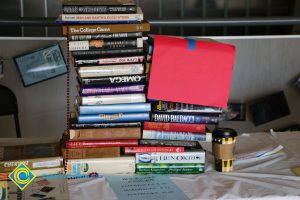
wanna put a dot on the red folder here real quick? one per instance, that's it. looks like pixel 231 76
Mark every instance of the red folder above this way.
pixel 191 71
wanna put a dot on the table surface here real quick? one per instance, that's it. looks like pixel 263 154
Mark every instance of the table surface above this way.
pixel 267 177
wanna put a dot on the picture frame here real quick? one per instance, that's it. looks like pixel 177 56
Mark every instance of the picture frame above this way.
pixel 41 65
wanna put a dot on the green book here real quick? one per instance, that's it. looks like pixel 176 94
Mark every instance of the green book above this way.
pixel 191 170
pixel 169 165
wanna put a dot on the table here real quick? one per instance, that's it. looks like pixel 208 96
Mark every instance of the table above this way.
pixel 267 177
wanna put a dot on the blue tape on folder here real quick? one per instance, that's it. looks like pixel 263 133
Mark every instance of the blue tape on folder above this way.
pixel 191 43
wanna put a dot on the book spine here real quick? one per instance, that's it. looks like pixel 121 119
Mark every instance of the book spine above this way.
pixel 119 117
pixel 102 18
pixel 165 106
pixel 101 166
pixel 35 163
pixel 105 28
pixel 163 135
pixel 112 99
pixel 115 80
pixel 190 170
pixel 170 165
pixel 106 61
pixel 184 118
pixel 104 44
pixel 106 53
pixel 106 36
pixel 187 144
pixel 100 143
pixel 115 108
pixel 106 90
pixel 75 125
pixel 150 149
pixel 104 134
pixel 110 70
pixel 101 152
pixel 177 127
pixel 185 157
pixel 69 9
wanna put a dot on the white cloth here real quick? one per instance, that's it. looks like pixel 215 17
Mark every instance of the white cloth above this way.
pixel 257 178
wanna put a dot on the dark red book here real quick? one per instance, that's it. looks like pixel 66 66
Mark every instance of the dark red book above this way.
pixel 153 149
pixel 178 127
pixel 101 143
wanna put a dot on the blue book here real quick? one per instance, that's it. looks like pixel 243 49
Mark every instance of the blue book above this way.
pixel 117 117
pixel 114 108
pixel 184 118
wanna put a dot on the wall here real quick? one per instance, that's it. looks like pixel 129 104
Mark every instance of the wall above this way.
pixel 263 66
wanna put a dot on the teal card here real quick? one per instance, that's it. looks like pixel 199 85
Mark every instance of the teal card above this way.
pixel 143 187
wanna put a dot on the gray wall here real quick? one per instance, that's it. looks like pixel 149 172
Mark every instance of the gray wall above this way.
pixel 263 66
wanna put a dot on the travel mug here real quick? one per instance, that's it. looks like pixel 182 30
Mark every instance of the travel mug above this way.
pixel 223 143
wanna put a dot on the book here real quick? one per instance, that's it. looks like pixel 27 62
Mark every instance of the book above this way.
pixel 151 149
pixel 30 151
pixel 118 117
pixel 106 90
pixel 183 107
pixel 105 44
pixel 97 9
pixel 170 169
pixel 184 118
pixel 180 143
pixel 75 125
pixel 117 165
pixel 164 135
pixel 114 80
pixel 100 143
pixel 98 152
pixel 96 53
pixel 158 157
pixel 104 134
pixel 33 163
pixel 104 18
pixel 114 108
pixel 106 36
pixel 38 172
pixel 109 61
pixel 111 99
pixel 41 188
pixel 102 2
pixel 86 29
pixel 178 127
pixel 110 70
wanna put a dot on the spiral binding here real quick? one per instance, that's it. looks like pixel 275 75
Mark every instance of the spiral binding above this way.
pixel 68 102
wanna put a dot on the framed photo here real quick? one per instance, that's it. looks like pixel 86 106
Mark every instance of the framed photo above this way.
pixel 41 64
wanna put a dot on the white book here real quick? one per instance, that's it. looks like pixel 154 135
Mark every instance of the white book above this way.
pixel 104 17
pixel 112 99
pixel 185 157
pixel 110 70
pixel 119 165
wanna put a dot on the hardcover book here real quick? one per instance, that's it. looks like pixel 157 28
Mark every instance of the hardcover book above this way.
pixel 106 90
pixel 99 9
pixel 172 143
pixel 97 2
pixel 118 117
pixel 105 36
pixel 177 127
pixel 99 152
pixel 114 108
pixel 184 118
pixel 109 61
pixel 185 157
pixel 75 125
pixel 110 70
pixel 106 53
pixel 105 44
pixel 104 134
pixel 152 149
pixel 111 99
pixel 118 165
pixel 165 135
pixel 85 29
pixel 114 80
pixel 100 143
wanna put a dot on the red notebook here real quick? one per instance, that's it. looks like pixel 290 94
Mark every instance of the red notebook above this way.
pixel 191 71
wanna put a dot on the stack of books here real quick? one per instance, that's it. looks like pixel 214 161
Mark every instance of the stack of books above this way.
pixel 106 39
pixel 170 140
pixel 41 159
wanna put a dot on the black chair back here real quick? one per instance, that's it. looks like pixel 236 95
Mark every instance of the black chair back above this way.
pixel 9 106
